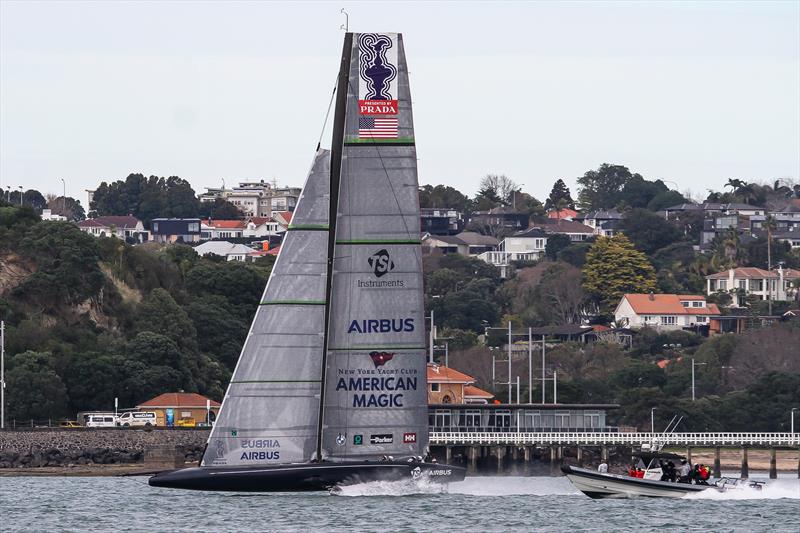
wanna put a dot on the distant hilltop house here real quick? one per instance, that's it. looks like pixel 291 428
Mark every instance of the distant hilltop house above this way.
pixel 256 198
pixel 126 228
pixel 441 220
pixel 777 284
pixel 221 229
pixel 172 230
pixel 501 217
pixel 664 311
pixel 47 214
pixel 562 214
pixel 449 386
pixel 179 408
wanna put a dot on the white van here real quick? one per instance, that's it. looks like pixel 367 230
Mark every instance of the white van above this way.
pixel 137 418
pixel 98 420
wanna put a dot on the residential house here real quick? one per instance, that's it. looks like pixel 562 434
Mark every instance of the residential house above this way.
pixel 605 222
pixel 757 282
pixel 791 237
pixel 449 386
pixel 47 214
pixel 465 243
pixel 441 220
pixel 221 229
pixel 501 218
pixel 127 228
pixel 527 245
pixel 283 218
pixel 171 230
pixel 171 407
pixel 256 198
pixel 576 231
pixel 228 250
pixel 262 227
pixel 664 311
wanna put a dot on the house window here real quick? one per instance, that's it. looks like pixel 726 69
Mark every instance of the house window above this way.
pixel 743 284
pixel 442 418
pixel 155 227
pixel 562 419
pixel 757 285
pixel 701 319
pixel 472 418
pixel 697 304
pixel 436 387
pixel 194 227
pixel 685 304
pixel 668 320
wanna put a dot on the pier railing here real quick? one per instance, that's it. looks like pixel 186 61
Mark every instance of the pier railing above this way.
pixel 599 439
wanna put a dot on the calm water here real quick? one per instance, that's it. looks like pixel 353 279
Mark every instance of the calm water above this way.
pixel 476 505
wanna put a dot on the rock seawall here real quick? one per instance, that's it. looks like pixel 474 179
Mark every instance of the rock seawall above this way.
pixel 70 447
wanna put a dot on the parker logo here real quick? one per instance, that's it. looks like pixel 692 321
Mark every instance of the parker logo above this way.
pixel 381 263
pixel 409 438
pixel 380 358
pixel 384 438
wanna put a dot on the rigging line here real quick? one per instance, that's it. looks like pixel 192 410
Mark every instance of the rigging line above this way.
pixel 327 114
pixel 391 186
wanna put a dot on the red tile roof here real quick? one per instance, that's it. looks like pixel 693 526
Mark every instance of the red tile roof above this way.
pixel 564 213
pixel 472 391
pixel 225 224
pixel 668 304
pixel 258 221
pixel 178 400
pixel 443 374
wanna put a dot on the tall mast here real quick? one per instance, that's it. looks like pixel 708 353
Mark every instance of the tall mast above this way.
pixel 337 145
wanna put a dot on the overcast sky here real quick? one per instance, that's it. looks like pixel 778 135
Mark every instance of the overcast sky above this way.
pixel 695 93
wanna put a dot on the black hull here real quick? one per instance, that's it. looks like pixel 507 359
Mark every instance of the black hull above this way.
pixel 302 477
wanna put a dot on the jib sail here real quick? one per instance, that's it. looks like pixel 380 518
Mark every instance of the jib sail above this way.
pixel 271 409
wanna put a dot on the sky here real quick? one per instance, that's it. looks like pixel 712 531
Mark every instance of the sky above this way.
pixel 692 93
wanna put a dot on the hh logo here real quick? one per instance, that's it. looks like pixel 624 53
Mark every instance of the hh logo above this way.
pixel 381 263
pixel 409 438
pixel 380 358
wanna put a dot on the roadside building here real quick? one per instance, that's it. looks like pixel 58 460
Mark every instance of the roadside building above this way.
pixel 465 243
pixel 127 228
pixel 777 284
pixel 501 218
pixel 171 230
pixel 576 231
pixel 262 227
pixel 177 408
pixel 562 214
pixel 527 245
pixel 47 214
pixel 604 222
pixel 664 311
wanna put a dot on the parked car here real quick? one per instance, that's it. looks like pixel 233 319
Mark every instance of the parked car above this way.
pixel 69 424
pixel 99 420
pixel 137 418
pixel 185 423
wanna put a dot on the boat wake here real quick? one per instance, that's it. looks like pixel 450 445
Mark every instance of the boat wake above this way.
pixel 772 490
pixel 472 486
pixel 406 487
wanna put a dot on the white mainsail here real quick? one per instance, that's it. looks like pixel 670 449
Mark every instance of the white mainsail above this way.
pixel 270 411
pixel 375 385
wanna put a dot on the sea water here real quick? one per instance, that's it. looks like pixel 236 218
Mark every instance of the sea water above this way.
pixel 477 504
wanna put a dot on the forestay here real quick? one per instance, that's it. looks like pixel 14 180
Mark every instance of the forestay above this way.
pixel 270 411
pixel 375 390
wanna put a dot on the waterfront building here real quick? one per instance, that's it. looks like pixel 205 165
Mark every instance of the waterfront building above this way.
pixel 172 407
pixel 526 417
pixel 449 386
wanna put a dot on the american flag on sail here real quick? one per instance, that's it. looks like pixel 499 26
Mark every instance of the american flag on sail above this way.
pixel 377 128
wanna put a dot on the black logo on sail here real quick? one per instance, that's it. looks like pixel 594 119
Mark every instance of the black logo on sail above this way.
pixel 381 263
pixel 384 438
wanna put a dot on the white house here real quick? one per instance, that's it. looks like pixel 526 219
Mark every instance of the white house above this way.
pixel 763 284
pixel 527 245
pixel 605 223
pixel 221 229
pixel 664 311
pixel 228 250
pixel 262 227
pixel 121 227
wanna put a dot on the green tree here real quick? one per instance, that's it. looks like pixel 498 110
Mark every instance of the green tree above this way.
pixel 159 313
pixel 560 197
pixel 443 196
pixel 666 199
pixel 556 243
pixel 600 189
pixel 613 268
pixel 648 231
pixel 34 389
pixel 219 209
pixel 639 192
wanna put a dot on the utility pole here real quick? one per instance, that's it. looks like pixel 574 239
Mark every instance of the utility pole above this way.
pixel 430 352
pixel 555 387
pixel 3 375
pixel 694 365
pixel 543 374
pixel 530 366
pixel 509 361
pixel 652 420
pixel 63 198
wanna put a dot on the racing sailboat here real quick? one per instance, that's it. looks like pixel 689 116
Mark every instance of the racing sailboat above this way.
pixel 330 387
